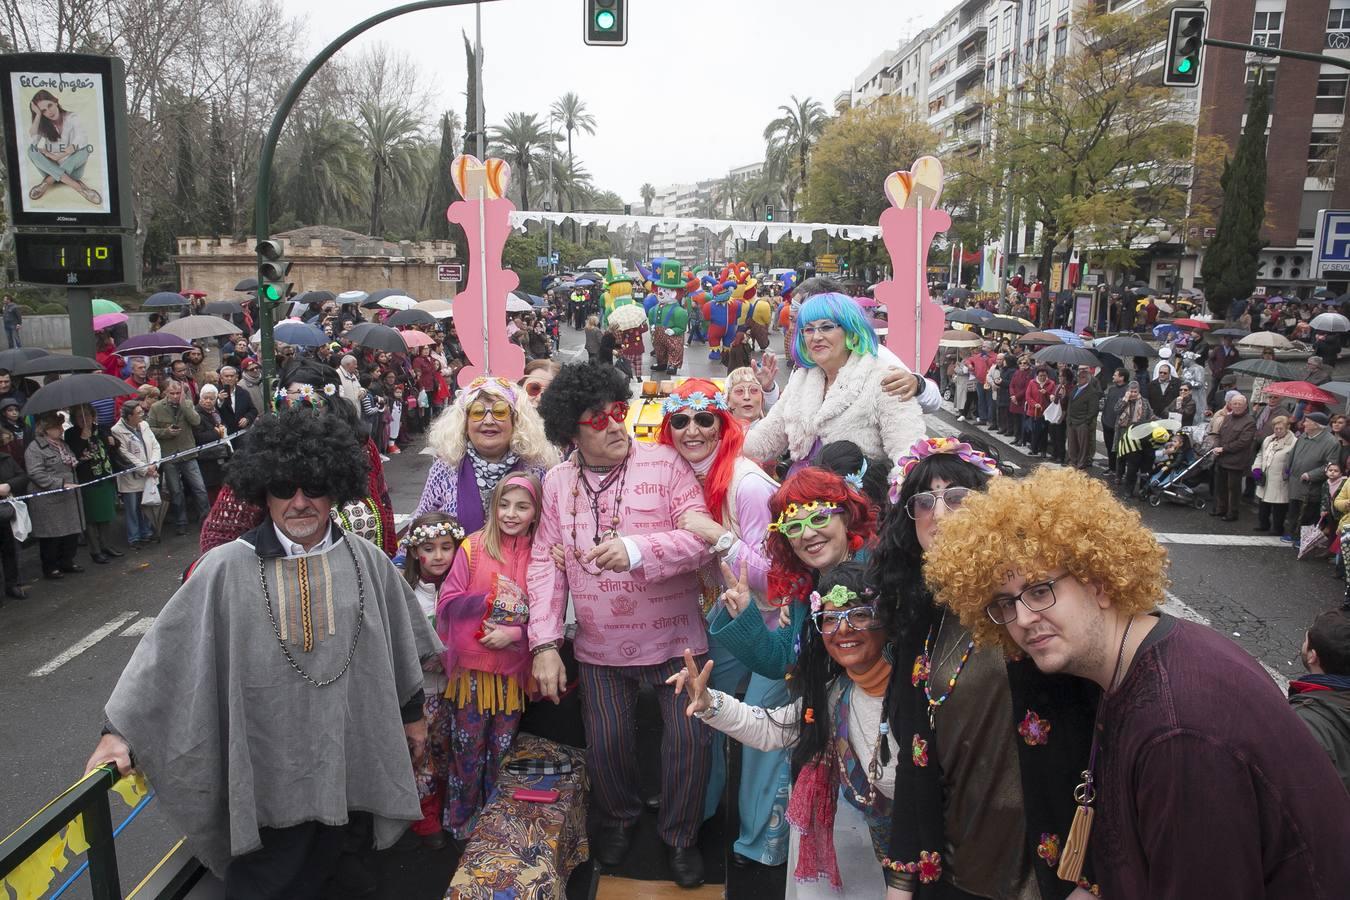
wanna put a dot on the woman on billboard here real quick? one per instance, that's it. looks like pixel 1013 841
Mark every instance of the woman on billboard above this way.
pixel 60 147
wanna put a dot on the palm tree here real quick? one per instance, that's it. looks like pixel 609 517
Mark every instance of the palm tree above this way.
pixel 648 195
pixel 391 136
pixel 571 111
pixel 524 143
pixel 792 134
pixel 573 185
pixel 725 193
pixel 324 170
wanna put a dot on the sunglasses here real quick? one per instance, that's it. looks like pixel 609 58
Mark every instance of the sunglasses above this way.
pixel 793 528
pixel 500 411
pixel 680 421
pixel 927 501
pixel 859 618
pixel 285 490
pixel 600 419
pixel 533 388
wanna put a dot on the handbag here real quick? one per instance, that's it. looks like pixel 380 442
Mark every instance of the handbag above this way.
pixel 1054 413
pixel 150 493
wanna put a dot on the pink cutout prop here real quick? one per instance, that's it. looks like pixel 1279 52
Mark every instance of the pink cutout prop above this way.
pixel 914 322
pixel 484 215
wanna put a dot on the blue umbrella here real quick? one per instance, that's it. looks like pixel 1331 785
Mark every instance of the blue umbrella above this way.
pixel 164 298
pixel 1068 337
pixel 1162 332
pixel 584 282
pixel 299 334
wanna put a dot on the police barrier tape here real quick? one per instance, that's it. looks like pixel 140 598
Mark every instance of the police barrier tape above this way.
pixel 133 470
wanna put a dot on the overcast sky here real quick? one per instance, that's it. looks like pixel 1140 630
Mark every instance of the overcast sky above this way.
pixel 687 99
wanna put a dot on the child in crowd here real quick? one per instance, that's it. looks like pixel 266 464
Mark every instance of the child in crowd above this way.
pixel 431 545
pixel 1174 456
pixel 481 618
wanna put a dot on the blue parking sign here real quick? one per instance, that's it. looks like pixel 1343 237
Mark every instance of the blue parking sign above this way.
pixel 1332 242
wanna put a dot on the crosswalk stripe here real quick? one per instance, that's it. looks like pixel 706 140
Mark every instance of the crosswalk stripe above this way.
pixel 82 644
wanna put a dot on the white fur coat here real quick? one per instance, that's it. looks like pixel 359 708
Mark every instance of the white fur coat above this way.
pixel 855 409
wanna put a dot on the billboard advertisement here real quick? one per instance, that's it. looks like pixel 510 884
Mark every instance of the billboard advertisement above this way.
pixel 63 116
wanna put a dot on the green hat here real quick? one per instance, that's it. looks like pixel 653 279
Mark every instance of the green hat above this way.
pixel 670 274
pixel 612 277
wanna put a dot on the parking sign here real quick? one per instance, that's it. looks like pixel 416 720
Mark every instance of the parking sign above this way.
pixel 1332 242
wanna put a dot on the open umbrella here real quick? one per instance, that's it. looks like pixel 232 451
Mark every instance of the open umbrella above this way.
pixel 958 294
pixel 417 339
pixel 1329 321
pixel 249 284
pixel 352 297
pixel 1162 332
pixel 377 337
pixel 1123 345
pixel 1300 390
pixel 1005 324
pixel 154 344
pixel 584 282
pixel 1198 324
pixel 515 304
pixel 11 358
pixel 224 308
pixel 1067 337
pixel 102 307
pixel 626 317
pixel 1231 332
pixel 164 298
pixel 299 334
pixel 1339 388
pixel 56 364
pixel 319 296
pixel 398 301
pixel 969 316
pixel 109 320
pixel 1071 356
pixel 195 328
pixel 74 391
pixel 406 317
pixel 1032 338
pixel 440 309
pixel 956 338
pixel 1272 339
pixel 1265 368
pixel 1144 429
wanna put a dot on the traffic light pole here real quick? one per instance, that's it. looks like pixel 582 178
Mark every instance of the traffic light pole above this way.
pixel 1279 51
pixel 262 213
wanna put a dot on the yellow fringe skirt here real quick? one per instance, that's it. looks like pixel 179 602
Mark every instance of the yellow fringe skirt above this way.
pixel 491 692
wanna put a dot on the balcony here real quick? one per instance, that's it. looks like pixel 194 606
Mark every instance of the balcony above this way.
pixel 956 71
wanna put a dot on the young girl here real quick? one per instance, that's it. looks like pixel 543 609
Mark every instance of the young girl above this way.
pixel 481 618
pixel 431 545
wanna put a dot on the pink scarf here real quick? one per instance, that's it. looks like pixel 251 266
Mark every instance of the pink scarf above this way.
pixel 811 810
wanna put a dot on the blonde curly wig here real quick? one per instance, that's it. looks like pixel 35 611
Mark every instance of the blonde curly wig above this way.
pixel 450 433
pixel 1036 526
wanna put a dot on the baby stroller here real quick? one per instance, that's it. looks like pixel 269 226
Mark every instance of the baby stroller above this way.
pixel 1179 483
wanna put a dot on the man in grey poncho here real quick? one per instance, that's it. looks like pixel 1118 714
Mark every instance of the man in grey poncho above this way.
pixel 276 701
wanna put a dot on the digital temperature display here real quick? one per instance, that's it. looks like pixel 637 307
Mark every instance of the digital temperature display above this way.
pixel 72 260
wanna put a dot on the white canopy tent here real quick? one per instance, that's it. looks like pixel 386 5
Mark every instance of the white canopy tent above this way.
pixel 773 232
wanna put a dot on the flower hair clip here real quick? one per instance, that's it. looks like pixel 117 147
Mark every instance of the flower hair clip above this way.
pixel 837 596
pixel 855 479
pixel 697 401
pixel 431 531
pixel 921 450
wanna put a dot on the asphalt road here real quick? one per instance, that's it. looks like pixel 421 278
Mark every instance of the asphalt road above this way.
pixel 61 650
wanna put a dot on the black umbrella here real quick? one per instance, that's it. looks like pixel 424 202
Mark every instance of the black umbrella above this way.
pixel 1266 368
pixel 56 364
pixel 372 301
pixel 223 308
pixel 1004 323
pixel 958 294
pixel 1125 345
pixel 405 317
pixel 377 337
pixel 74 391
pixel 248 284
pixel 164 298
pixel 969 316
pixel 1068 355
pixel 11 358
pixel 319 297
pixel 1231 332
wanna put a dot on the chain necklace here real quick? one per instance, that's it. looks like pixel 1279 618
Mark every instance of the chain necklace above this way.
pixel 927 670
pixel 595 494
pixel 360 620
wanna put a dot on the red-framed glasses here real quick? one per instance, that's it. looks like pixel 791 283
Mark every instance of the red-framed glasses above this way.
pixel 599 420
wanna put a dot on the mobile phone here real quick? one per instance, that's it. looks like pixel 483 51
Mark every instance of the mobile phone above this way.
pixel 535 796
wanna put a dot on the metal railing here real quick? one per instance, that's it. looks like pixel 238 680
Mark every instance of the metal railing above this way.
pixel 88 797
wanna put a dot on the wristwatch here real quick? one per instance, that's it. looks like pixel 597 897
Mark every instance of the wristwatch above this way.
pixel 724 542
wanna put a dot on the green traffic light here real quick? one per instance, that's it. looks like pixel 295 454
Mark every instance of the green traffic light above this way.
pixel 604 20
pixel 271 292
pixel 1185 65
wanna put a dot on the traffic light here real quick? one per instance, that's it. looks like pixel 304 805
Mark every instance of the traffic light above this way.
pixel 1185 47
pixel 768 214
pixel 843 266
pixel 272 271
pixel 607 23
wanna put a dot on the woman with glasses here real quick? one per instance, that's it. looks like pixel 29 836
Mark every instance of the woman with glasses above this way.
pixel 834 726
pixel 489 432
pixel 978 771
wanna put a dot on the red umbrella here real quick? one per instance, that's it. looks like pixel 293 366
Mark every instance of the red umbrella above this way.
pixel 1191 323
pixel 1300 390
pixel 194 293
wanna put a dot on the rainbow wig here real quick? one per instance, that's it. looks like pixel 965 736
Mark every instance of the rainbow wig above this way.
pixel 843 311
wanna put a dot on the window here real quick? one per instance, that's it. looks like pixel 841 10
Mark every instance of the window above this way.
pixel 1307 214
pixel 1338 29
pixel 1042 48
pixel 1266 28
pixel 1061 43
pixel 989 78
pixel 1331 94
pixel 1322 154
pixel 1267 75
pixel 1007 28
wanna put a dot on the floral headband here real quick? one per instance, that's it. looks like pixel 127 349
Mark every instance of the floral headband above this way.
pixel 837 596
pixel 486 383
pixel 802 510
pixel 308 394
pixel 431 531
pixel 921 450
pixel 697 401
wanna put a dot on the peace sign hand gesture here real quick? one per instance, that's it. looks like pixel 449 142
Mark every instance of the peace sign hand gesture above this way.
pixel 694 683
pixel 737 595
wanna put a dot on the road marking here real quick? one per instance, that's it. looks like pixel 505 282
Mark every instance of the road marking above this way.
pixel 1218 540
pixel 139 627
pixel 82 645
pixel 1175 606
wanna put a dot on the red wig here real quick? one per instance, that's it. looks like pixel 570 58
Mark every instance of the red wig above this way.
pixel 718 480
pixel 789 577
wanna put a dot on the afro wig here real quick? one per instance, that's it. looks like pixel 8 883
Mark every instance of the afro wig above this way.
pixel 575 391
pixel 300 446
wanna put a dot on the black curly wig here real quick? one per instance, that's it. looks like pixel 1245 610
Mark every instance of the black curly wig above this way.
pixel 300 446
pixel 575 391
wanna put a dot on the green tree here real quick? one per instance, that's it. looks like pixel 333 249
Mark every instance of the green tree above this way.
pixel 1230 263
pixel 856 153
pixel 391 136
pixel 325 170
pixel 570 110
pixel 185 173
pixel 442 191
pixel 219 192
pixel 648 194
pixel 524 143
pixel 791 137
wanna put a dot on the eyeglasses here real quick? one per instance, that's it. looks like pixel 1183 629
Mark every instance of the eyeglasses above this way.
pixel 859 618
pixel 285 490
pixel 600 419
pixel 1036 597
pixel 793 528
pixel 824 329
pixel 927 501
pixel 500 411
pixel 680 421
pixel 534 388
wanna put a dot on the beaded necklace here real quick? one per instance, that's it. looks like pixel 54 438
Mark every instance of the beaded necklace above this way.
pixel 923 670
pixel 596 494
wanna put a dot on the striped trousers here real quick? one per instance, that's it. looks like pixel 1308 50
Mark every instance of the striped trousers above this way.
pixel 609 710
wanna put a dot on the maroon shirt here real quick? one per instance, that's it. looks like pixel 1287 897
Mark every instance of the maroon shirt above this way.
pixel 1208 783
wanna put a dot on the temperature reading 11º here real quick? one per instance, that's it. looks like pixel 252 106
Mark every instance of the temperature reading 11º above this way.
pixel 90 255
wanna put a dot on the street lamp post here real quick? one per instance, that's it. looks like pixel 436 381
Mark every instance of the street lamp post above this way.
pixel 1008 201
pixel 552 202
